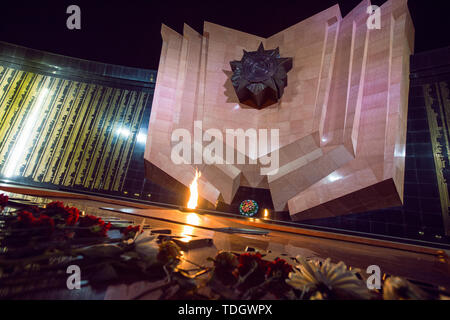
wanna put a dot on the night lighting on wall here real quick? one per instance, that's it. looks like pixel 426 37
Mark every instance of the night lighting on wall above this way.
pixel 141 138
pixel 334 177
pixel 124 132
pixel 19 148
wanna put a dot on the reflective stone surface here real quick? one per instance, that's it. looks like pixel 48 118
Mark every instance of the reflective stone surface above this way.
pixel 418 266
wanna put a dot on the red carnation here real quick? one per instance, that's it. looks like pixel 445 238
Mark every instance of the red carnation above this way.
pixel 55 206
pixel 89 221
pixel 105 229
pixel 70 215
pixel 3 200
pixel 26 218
pixel 130 231
pixel 44 221
pixel 249 262
pixel 279 268
pixel 96 225
pixel 73 214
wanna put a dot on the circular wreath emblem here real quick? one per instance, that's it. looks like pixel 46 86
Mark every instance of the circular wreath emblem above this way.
pixel 248 208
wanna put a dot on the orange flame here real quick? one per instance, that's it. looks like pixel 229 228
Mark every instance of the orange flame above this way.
pixel 193 199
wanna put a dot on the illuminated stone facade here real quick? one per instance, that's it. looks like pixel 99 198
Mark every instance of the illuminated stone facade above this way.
pixel 341 120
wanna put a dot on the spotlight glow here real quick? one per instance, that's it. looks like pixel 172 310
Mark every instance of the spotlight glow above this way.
pixel 334 177
pixel 19 148
pixel 141 138
pixel 124 132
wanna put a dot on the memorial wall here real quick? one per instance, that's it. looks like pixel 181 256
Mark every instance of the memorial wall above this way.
pixel 74 125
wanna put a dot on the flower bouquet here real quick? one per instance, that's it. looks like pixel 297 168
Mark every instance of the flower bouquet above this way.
pixel 249 276
pixel 248 208
pixel 37 245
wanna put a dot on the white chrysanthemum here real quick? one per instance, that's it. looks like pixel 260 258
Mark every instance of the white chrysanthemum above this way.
pixel 327 281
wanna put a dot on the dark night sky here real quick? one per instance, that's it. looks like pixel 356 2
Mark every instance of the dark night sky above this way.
pixel 128 32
